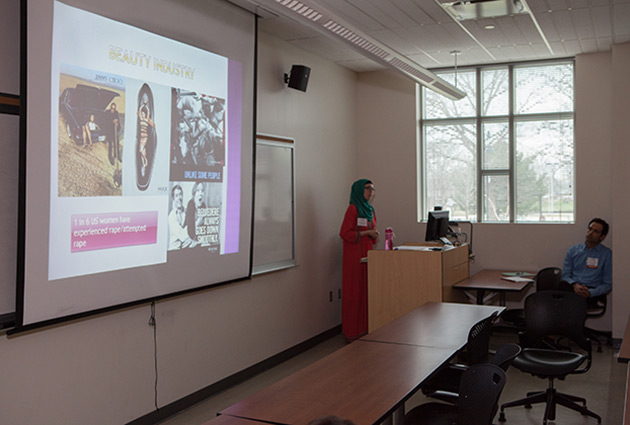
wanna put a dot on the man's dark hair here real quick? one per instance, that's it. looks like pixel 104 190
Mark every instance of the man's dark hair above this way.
pixel 605 226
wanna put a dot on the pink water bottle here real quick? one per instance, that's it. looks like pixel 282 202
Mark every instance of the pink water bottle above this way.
pixel 389 239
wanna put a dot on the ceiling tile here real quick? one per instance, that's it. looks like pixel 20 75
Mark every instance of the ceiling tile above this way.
pixel 286 29
pixel 421 30
pixel 547 26
pixel 537 6
pixel 414 12
pixel 392 38
pixel 578 4
pixel 416 45
pixel 526 52
pixel 383 18
pixel 572 47
pixel 433 10
pixel 588 45
pixel 582 23
pixel 361 65
pixel 393 13
pixel 352 14
pixel 557 4
pixel 604 43
pixel 602 21
pixel 621 19
pixel 527 27
pixel 558 49
pixel 564 25
pixel 511 31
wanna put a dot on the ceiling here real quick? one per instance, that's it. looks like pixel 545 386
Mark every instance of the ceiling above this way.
pixel 422 31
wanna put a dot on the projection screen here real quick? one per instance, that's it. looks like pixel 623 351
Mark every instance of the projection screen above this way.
pixel 137 152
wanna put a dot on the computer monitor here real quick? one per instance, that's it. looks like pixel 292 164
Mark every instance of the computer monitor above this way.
pixel 437 226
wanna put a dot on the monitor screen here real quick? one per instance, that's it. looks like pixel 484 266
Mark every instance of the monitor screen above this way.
pixel 437 225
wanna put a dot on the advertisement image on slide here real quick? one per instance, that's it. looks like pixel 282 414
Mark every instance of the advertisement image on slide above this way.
pixel 139 147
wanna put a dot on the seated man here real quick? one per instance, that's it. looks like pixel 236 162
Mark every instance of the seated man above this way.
pixel 588 266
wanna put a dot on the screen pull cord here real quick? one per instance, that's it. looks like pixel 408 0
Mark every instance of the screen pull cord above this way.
pixel 152 323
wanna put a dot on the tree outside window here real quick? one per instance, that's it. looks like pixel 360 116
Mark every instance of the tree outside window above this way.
pixel 505 153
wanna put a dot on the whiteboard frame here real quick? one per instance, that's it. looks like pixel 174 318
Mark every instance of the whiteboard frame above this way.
pixel 279 142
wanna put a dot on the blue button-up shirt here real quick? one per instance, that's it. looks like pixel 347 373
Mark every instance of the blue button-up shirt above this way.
pixel 590 267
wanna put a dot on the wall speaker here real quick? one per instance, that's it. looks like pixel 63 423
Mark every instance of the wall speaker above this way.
pixel 298 79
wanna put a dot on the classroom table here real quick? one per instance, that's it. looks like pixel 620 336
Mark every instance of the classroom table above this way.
pixel 232 420
pixel 434 324
pixel 363 381
pixel 490 280
pixel 369 379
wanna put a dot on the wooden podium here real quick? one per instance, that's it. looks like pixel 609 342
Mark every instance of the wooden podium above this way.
pixel 401 280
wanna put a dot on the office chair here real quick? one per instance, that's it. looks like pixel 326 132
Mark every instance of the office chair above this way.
pixel 596 307
pixel 503 358
pixel 553 313
pixel 546 279
pixel 480 388
pixel 476 351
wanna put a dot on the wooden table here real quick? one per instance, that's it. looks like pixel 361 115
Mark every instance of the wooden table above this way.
pixel 363 381
pixel 369 379
pixel 444 325
pixel 490 280
pixel 232 420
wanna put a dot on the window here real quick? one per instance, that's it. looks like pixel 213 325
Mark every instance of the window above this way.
pixel 505 153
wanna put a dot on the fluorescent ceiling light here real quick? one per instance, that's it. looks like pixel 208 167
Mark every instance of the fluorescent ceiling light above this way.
pixel 316 16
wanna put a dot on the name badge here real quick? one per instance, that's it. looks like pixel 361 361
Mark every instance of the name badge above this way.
pixel 362 222
pixel 591 263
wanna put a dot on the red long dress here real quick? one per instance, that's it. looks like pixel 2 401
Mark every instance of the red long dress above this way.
pixel 354 288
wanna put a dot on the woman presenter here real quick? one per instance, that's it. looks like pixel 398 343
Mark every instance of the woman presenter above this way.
pixel 359 233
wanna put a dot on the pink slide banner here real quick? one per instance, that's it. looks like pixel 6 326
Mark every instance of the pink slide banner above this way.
pixel 113 230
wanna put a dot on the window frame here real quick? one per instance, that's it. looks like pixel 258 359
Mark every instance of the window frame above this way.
pixel 511 118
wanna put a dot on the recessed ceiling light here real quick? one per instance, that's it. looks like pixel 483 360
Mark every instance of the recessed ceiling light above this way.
pixel 489 27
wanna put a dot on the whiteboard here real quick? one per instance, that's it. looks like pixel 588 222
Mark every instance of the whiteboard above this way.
pixel 274 204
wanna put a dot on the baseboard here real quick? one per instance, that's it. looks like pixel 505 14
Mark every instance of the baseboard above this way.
pixel 198 396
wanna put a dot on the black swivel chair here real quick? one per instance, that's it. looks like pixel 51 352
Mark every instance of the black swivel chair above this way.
pixel 597 308
pixel 546 279
pixel 553 313
pixel 503 357
pixel 480 388
pixel 476 351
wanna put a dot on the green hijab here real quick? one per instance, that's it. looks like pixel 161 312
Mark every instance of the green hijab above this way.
pixel 358 200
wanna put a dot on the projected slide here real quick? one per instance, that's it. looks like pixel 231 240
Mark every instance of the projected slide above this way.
pixel 140 155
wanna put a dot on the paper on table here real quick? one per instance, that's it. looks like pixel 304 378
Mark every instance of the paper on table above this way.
pixel 416 248
pixel 517 274
pixel 516 279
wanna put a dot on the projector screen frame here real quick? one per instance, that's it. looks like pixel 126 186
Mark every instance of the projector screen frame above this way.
pixel 248 136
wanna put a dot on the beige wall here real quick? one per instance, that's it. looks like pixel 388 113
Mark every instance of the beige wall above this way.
pixel 100 370
pixel 620 135
pixel 387 134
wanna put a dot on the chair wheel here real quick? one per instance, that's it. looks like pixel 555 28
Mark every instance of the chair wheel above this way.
pixel 501 417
